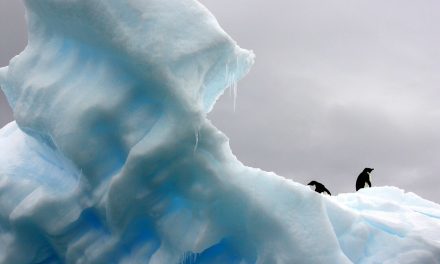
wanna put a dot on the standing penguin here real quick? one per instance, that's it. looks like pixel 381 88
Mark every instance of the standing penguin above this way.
pixel 363 179
pixel 319 187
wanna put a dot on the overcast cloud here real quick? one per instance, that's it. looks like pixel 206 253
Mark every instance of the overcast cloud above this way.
pixel 337 86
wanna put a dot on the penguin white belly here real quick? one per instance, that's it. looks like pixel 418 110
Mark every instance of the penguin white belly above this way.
pixel 366 184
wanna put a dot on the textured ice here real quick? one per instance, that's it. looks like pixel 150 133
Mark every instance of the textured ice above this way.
pixel 111 158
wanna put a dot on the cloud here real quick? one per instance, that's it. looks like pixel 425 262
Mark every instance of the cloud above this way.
pixel 13 39
pixel 12 29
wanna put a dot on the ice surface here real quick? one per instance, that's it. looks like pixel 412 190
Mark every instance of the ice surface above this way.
pixel 111 158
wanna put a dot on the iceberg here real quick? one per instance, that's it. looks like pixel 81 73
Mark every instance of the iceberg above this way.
pixel 111 158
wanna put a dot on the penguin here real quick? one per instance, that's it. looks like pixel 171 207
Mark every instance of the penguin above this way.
pixel 363 179
pixel 319 187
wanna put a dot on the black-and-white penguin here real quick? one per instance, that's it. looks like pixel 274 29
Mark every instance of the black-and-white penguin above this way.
pixel 319 187
pixel 363 179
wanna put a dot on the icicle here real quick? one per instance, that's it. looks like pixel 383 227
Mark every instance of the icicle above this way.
pixel 228 79
pixel 234 85
pixel 231 83
pixel 196 134
pixel 188 258
pixel 234 88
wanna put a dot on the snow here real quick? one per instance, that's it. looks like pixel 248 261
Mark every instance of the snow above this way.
pixel 111 158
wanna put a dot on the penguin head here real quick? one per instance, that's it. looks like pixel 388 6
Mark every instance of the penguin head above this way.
pixel 368 170
pixel 312 183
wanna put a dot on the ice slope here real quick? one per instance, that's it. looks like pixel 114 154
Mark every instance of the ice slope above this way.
pixel 111 158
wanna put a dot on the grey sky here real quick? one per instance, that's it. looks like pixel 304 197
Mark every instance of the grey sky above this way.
pixel 337 86
pixel 12 40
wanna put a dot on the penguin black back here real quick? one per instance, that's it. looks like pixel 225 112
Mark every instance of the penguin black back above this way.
pixel 363 179
pixel 319 187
